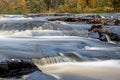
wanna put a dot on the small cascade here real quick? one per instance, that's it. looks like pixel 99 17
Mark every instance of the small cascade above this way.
pixel 57 59
pixel 3 27
pixel 108 38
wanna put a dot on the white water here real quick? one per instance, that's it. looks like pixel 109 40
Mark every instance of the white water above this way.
pixel 49 39
pixel 99 70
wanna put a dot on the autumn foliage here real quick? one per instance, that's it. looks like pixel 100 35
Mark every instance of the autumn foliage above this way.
pixel 58 6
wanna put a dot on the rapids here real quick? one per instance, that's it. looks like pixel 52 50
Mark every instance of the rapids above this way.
pixel 62 50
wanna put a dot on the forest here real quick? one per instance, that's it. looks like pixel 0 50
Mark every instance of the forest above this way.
pixel 59 6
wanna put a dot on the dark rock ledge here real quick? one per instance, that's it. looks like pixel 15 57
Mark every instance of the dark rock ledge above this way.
pixel 16 67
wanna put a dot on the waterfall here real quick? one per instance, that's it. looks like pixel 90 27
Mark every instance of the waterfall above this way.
pixel 62 57
pixel 54 59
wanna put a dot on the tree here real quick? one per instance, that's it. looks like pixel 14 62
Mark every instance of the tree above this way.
pixel 13 6
pixel 81 4
pixel 92 3
pixel 71 6
pixel 34 6
pixel 116 5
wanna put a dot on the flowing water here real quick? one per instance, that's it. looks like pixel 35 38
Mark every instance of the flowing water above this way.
pixel 62 50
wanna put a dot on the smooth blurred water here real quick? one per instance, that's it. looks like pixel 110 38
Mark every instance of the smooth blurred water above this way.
pixel 27 38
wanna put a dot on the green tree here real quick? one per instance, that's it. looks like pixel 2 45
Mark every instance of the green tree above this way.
pixel 116 5
pixel 35 6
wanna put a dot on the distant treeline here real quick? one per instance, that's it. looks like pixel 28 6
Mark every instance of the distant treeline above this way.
pixel 59 6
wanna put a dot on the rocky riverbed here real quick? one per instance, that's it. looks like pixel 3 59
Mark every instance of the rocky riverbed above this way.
pixel 60 47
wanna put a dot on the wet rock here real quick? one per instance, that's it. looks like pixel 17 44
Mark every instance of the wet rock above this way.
pixel 70 19
pixel 103 31
pixel 43 15
pixel 116 22
pixel 16 67
pixel 90 19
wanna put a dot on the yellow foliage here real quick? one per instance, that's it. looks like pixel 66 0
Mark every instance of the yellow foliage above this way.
pixel 108 9
pixel 65 6
pixel 22 2
pixel 12 5
pixel 80 2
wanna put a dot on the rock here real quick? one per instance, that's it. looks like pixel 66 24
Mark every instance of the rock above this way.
pixel 103 31
pixel 16 67
pixel 116 22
